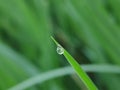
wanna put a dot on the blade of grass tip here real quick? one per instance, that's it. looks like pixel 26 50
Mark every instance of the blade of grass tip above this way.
pixel 80 72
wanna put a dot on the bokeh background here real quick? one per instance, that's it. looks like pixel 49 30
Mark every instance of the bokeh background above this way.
pixel 88 29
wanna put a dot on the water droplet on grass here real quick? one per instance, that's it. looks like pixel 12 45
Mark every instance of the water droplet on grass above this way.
pixel 60 50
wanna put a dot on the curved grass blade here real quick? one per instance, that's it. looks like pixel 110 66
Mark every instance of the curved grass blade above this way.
pixel 80 72
pixel 41 78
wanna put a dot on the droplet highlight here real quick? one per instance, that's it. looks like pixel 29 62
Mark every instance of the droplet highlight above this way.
pixel 60 50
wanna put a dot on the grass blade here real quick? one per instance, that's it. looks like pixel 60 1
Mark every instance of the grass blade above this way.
pixel 40 78
pixel 80 72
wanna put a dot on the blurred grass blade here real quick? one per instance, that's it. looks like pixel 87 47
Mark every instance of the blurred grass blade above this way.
pixel 80 72
pixel 40 78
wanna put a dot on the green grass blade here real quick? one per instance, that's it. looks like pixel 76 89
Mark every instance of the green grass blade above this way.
pixel 80 72
pixel 41 78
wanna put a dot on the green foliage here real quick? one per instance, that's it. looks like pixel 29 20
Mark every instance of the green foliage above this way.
pixel 82 75
pixel 89 30
pixel 41 78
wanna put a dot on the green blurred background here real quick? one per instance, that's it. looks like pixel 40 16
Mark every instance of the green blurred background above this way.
pixel 88 29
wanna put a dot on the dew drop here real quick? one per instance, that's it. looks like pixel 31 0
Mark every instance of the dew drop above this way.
pixel 60 50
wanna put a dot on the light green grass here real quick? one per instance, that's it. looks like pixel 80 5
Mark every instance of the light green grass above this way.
pixel 80 72
pixel 89 29
pixel 60 72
